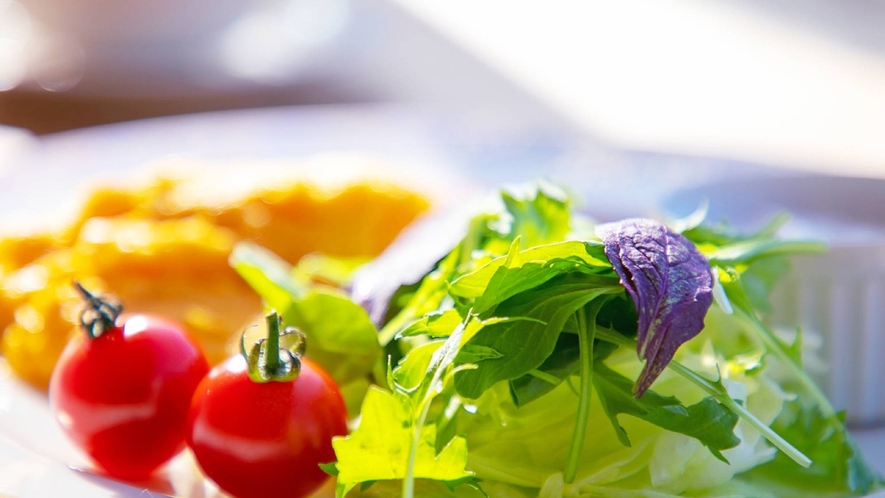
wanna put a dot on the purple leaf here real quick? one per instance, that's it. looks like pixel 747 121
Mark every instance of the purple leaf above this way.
pixel 670 283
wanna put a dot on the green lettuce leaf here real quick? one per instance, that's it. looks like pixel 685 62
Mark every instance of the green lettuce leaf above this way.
pixel 380 448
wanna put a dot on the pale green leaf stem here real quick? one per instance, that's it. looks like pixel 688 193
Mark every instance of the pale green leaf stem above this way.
pixel 586 333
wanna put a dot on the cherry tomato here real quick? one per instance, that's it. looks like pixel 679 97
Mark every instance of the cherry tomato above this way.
pixel 122 393
pixel 265 434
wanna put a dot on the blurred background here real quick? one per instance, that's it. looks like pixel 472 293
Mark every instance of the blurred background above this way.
pixel 790 83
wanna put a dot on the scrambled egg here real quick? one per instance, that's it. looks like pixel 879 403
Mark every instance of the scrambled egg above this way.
pixel 163 247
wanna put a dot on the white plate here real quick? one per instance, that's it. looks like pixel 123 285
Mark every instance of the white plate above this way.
pixel 488 148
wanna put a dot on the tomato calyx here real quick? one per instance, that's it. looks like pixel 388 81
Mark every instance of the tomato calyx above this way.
pixel 276 358
pixel 99 313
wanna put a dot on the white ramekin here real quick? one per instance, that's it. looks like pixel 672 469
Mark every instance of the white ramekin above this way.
pixel 840 295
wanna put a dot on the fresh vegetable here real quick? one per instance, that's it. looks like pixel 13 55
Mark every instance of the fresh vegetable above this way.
pixel 515 369
pixel 262 422
pixel 545 357
pixel 122 392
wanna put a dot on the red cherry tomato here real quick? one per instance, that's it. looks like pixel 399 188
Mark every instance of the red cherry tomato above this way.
pixel 265 439
pixel 124 395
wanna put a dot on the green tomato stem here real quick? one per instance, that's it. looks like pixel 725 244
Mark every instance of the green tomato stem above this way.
pixel 272 346
pixel 265 363
pixel 99 313
pixel 585 342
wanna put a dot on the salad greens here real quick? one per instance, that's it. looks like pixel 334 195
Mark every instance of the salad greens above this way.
pixel 543 358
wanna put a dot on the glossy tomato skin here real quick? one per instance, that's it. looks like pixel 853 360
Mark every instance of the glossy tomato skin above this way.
pixel 266 439
pixel 124 396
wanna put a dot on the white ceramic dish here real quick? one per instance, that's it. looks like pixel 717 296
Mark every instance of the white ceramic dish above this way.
pixel 841 294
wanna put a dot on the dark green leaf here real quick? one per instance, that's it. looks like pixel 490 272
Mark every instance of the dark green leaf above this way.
pixel 619 314
pixel 563 362
pixel 475 353
pixel 329 468
pixel 526 344
pixel 707 421
pixel 838 467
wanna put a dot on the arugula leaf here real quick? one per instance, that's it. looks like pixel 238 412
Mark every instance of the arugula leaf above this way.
pixel 837 468
pixel 526 344
pixel 707 421
pixel 670 283
pixel 528 269
pixel 379 449
pixel 539 213
pixel 717 390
